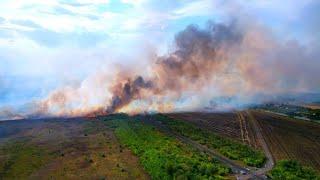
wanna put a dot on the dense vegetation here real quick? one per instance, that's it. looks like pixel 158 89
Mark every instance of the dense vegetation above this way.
pixel 164 157
pixel 292 170
pixel 227 147
pixel 21 159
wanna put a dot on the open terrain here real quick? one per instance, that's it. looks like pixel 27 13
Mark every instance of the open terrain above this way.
pixel 226 146
pixel 226 124
pixel 291 138
pixel 312 105
pixel 302 111
pixel 64 149
pixel 285 137
pixel 165 157
pixel 170 146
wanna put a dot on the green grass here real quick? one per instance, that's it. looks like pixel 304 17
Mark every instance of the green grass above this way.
pixel 292 170
pixel 164 157
pixel 21 160
pixel 227 147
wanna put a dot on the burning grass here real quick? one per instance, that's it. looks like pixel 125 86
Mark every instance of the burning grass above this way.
pixel 225 146
pixel 164 157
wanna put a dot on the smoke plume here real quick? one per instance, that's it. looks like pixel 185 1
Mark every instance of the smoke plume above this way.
pixel 220 60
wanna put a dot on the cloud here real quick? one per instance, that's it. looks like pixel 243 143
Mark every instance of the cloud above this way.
pixel 195 8
pixel 53 39
pixel 92 2
pixel 62 11
pixel 24 22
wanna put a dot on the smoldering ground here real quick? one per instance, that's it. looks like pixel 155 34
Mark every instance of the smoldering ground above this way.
pixel 220 60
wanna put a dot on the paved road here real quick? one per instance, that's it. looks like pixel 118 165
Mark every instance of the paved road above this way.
pixel 240 171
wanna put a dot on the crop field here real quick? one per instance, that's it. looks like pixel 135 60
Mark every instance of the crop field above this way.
pixel 291 138
pixel 229 148
pixel 64 149
pixel 287 138
pixel 228 124
pixel 225 124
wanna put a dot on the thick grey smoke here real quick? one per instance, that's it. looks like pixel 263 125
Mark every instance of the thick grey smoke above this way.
pixel 124 94
pixel 233 59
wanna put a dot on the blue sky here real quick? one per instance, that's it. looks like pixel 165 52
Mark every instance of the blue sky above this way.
pixel 45 44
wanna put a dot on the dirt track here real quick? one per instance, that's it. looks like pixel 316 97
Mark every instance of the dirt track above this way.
pixel 270 162
pixel 237 169
pixel 290 138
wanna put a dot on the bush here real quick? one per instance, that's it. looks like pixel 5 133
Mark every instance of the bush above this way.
pixel 291 169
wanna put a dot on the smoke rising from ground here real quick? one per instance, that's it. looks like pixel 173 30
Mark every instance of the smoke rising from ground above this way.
pixel 220 60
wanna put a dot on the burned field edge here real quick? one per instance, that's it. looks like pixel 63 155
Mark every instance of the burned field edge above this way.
pixel 22 159
pixel 85 149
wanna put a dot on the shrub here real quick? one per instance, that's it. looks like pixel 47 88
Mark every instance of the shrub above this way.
pixel 291 169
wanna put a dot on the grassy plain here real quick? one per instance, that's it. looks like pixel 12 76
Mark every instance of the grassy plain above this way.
pixel 164 157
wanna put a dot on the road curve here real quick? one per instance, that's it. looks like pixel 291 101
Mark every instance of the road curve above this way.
pixel 240 171
pixel 258 131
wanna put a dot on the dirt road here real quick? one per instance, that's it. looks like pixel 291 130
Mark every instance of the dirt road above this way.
pixel 240 171
pixel 270 162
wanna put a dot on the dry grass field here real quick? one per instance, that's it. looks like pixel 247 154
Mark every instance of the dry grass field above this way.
pixel 64 149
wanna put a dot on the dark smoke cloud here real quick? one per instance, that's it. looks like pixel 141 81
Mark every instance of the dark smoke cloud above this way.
pixel 235 60
pixel 242 61
pixel 125 93
pixel 199 52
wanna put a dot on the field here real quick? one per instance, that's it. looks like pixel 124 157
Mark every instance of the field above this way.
pixel 312 106
pixel 122 147
pixel 291 138
pixel 309 112
pixel 111 147
pixel 64 149
pixel 286 138
pixel 165 157
pixel 226 146
pixel 227 124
